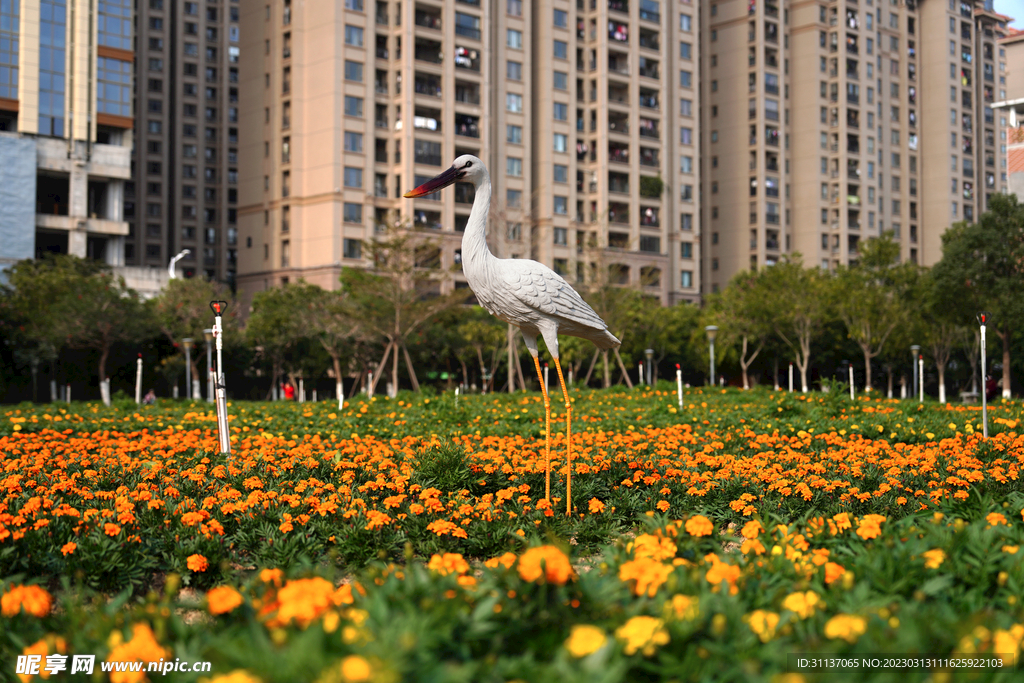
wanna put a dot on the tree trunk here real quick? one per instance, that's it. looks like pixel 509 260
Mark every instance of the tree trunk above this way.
pixel 889 395
pixel 380 366
pixel 394 371
pixel 622 366
pixel 105 354
pixel 412 373
pixel 339 386
pixel 593 363
pixel 1005 336
pixel 519 369
pixel 607 371
pixel 775 367
pixel 942 382
pixel 867 368
pixel 465 373
pixel 745 362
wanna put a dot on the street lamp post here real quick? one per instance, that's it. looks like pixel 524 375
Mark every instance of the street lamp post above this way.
pixel 650 372
pixel 914 353
pixel 983 321
pixel 187 343
pixel 712 331
pixel 208 336
pixel 180 255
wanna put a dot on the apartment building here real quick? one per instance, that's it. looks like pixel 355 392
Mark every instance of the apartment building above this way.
pixel 840 99
pixel 184 193
pixel 572 106
pixel 66 69
pixel 1010 111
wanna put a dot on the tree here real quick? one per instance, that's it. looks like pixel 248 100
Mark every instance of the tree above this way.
pixel 71 302
pixel 982 269
pixel 742 317
pixel 871 297
pixel 324 317
pixel 275 327
pixel 483 338
pixel 182 311
pixel 400 295
pixel 800 307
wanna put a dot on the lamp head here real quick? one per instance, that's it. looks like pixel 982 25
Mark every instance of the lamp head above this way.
pixel 712 331
pixel 208 335
pixel 187 342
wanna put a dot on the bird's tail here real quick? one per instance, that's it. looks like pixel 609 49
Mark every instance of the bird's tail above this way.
pixel 606 341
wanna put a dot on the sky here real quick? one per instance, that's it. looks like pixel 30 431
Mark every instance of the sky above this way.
pixel 1013 8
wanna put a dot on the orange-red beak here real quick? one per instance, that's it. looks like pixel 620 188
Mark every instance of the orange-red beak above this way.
pixel 449 177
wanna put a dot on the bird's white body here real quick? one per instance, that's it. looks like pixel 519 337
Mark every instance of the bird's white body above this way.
pixel 523 292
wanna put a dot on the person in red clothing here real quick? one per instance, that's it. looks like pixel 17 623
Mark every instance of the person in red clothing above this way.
pixel 289 392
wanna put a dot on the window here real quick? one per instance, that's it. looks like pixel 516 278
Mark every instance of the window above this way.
pixel 353 36
pixel 113 86
pixel 156 64
pixel 514 167
pixel 561 18
pixel 686 79
pixel 353 71
pixel 685 51
pixel 353 177
pixel 467 25
pixel 685 107
pixel 561 142
pixel 561 173
pixel 353 142
pixel 513 198
pixel 514 7
pixel 514 39
pixel 514 103
pixel 685 23
pixel 352 248
pixel 686 221
pixel 514 134
pixel 686 277
pixel 561 49
pixel 686 164
pixel 560 80
pixel 353 213
pixel 560 207
pixel 353 106
pixel 514 70
pixel 561 111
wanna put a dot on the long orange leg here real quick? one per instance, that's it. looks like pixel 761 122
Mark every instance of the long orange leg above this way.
pixel 547 431
pixel 568 441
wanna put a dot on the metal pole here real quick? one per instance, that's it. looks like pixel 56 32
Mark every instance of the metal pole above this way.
pixel 712 362
pixel 984 381
pixel 791 378
pixel 223 434
pixel 208 335
pixel 679 385
pixel 138 380
pixel 913 362
pixel 920 376
pixel 188 368
pixel 851 382
pixel 546 385
pixel 640 373
pixel 650 366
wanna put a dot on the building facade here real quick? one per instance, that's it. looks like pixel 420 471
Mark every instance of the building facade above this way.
pixel 1011 113
pixel 66 70
pixel 580 111
pixel 840 99
pixel 184 194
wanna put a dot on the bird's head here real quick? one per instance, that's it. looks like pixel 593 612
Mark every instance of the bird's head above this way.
pixel 466 168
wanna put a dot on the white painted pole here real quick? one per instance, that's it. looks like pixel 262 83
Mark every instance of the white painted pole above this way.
pixel 340 388
pixel 640 374
pixel 679 385
pixel 920 376
pixel 984 379
pixel 302 391
pixel 791 378
pixel 223 433
pixel 851 383
pixel 314 395
pixel 546 385
pixel 138 380
pixel 456 397
pixel 68 394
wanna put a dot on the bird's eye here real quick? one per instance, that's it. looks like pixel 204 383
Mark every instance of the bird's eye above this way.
pixel 468 164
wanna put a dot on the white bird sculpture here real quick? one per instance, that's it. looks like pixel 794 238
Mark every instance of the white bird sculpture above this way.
pixel 524 293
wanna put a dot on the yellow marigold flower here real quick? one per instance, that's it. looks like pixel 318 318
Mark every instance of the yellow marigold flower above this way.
pixel 506 560
pixel 33 599
pixel 699 525
pixel 355 668
pixel 584 640
pixel 143 647
pixel 762 623
pixel 652 547
pixel 849 627
pixel 595 506
pixel 223 599
pixel 683 607
pixel 801 604
pixel 448 563
pixel 752 529
pixel 791 677
pixel 933 558
pixel 237 676
pixel 1008 643
pixel 648 574
pixel 1011 549
pixel 643 634
pixel 303 600
pixel 197 563
pixel 547 561
pixel 995 519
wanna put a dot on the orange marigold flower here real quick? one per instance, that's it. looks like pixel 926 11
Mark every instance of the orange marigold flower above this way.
pixel 506 560
pixel 355 668
pixel 448 563
pixel 223 599
pixel 933 558
pixel 648 575
pixel 663 505
pixel 995 519
pixel 653 547
pixel 68 548
pixel 143 647
pixel 197 563
pixel 846 626
pixel 833 572
pixel 842 521
pixel 642 634
pixel 545 561
pixel 274 576
pixel 35 600
pixel 303 600
pixel 722 571
pixel 111 529
pixel 752 529
pixel 869 527
pixel 699 525
pixel 595 506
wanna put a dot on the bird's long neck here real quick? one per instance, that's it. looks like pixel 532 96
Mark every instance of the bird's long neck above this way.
pixel 474 240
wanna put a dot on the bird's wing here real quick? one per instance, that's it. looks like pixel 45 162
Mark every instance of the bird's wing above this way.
pixel 539 288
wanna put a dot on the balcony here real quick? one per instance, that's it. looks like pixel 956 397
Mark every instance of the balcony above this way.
pixel 618 93
pixel 427 220
pixel 650 11
pixel 650 217
pixel 618 32
pixel 618 123
pixel 617 213
pixel 618 182
pixel 467 58
pixel 428 18
pixel 771 218
pixel 428 51
pixel 467 93
pixel 467 126
pixel 649 40
pixel 619 6
pixel 618 63
pixel 464 193
pixel 648 98
pixel 618 153
pixel 771 9
pixel 427 85
pixel 427 119
pixel 649 68
pixel 649 128
pixel 851 44
pixel 649 157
